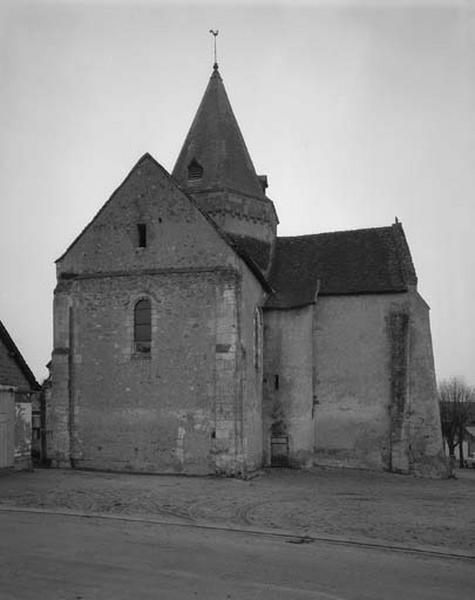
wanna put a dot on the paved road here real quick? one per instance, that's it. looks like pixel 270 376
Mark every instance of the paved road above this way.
pixel 56 557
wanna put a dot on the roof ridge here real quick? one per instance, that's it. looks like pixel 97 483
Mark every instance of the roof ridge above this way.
pixel 312 235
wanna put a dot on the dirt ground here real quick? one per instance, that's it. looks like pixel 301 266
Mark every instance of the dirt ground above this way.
pixel 353 504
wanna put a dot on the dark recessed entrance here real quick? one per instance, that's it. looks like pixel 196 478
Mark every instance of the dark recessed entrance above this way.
pixel 279 451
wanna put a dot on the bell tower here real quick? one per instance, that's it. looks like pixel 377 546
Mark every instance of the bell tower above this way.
pixel 214 166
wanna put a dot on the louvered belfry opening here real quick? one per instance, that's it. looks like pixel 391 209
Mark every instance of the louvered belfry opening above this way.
pixel 195 170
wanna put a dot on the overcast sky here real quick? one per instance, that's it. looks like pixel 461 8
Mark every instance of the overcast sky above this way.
pixel 357 111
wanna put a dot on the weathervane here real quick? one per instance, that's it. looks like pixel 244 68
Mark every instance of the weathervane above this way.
pixel 214 33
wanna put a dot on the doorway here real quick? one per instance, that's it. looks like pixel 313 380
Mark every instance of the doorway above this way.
pixel 279 451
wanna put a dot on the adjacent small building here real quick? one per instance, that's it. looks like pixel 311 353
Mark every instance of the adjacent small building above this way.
pixel 190 338
pixel 18 388
pixel 469 445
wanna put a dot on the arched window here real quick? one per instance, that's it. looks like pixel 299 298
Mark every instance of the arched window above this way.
pixel 143 326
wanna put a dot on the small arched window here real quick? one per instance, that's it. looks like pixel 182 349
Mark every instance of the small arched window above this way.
pixel 195 170
pixel 143 326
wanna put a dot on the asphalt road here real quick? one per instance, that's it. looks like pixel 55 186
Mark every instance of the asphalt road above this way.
pixel 57 557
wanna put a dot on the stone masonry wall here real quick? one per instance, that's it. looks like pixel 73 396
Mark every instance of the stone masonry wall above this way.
pixel 425 445
pixel 251 370
pixel 375 384
pixel 240 214
pixel 58 418
pixel 179 407
pixel 227 447
pixel 398 330
pixel 288 382
pixel 352 375
pixel 7 427
pixel 178 235
pixel 15 429
pixel 149 412
pixel 22 432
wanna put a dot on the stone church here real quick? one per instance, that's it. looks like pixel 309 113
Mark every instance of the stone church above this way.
pixel 190 338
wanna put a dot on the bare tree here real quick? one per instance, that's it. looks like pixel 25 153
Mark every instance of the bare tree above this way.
pixel 455 398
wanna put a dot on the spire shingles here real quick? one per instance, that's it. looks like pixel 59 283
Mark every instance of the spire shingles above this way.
pixel 215 142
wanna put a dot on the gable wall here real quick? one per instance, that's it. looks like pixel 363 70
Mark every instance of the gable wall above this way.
pixel 178 409
pixel 179 236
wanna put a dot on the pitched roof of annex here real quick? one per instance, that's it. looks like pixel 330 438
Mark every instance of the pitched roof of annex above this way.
pixel 362 261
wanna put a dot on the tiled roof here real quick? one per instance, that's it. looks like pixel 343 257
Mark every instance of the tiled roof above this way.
pixel 215 142
pixel 258 250
pixel 17 357
pixel 339 263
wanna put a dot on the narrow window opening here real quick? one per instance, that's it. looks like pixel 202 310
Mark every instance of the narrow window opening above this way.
pixel 142 235
pixel 195 170
pixel 276 382
pixel 143 326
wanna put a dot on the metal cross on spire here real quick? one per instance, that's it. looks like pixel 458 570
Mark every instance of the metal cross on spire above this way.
pixel 214 33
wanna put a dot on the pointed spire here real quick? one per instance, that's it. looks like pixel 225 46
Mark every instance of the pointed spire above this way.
pixel 214 155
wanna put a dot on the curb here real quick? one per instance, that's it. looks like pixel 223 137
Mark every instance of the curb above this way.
pixel 290 536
